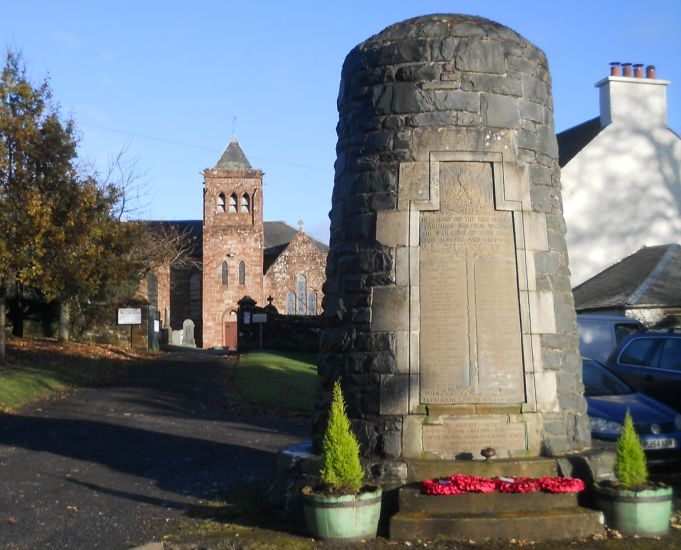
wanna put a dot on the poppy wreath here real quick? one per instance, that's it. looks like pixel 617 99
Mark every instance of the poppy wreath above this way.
pixel 460 484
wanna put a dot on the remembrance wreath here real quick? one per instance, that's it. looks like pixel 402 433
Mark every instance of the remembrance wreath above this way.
pixel 461 484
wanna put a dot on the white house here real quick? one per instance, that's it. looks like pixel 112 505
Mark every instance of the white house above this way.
pixel 621 174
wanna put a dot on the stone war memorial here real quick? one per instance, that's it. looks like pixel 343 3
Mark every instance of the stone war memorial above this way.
pixel 452 325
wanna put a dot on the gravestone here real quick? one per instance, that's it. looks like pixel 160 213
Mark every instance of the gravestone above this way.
pixel 188 333
pixel 177 337
pixel 451 319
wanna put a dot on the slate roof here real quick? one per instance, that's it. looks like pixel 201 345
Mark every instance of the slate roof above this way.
pixel 573 140
pixel 651 277
pixel 233 158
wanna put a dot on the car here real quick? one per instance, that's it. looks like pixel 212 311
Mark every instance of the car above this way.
pixel 650 361
pixel 608 398
pixel 600 333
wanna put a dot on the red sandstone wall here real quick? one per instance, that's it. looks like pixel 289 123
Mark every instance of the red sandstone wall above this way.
pixel 232 237
pixel 301 257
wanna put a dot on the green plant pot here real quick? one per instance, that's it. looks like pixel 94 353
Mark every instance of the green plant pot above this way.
pixel 645 513
pixel 342 518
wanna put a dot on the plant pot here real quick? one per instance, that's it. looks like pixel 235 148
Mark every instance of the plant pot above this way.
pixel 645 513
pixel 342 518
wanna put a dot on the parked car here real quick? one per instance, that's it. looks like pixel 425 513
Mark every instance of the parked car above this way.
pixel 608 397
pixel 599 333
pixel 651 362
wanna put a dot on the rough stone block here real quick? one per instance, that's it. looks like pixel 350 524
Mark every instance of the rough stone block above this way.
pixel 499 111
pixel 456 100
pixel 394 394
pixel 480 56
pixel 392 228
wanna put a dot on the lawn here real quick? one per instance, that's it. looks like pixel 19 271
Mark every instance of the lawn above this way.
pixel 277 380
pixel 40 367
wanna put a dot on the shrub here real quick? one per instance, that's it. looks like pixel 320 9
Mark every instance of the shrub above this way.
pixel 341 469
pixel 630 463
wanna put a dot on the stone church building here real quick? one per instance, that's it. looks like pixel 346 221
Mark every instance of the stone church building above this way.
pixel 237 254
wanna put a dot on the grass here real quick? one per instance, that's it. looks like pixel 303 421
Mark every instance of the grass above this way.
pixel 38 368
pixel 277 380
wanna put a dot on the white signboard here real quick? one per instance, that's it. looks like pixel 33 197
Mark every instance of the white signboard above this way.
pixel 129 316
pixel 157 325
pixel 260 317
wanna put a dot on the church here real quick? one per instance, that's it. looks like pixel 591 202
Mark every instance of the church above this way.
pixel 236 255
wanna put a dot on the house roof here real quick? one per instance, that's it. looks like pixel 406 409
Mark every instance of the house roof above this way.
pixel 233 158
pixel 573 140
pixel 648 278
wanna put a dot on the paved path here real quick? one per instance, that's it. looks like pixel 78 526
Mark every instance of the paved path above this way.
pixel 104 467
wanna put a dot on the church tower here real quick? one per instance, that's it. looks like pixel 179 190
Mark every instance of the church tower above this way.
pixel 232 243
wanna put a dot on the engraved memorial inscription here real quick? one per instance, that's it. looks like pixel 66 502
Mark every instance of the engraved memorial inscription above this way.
pixel 470 435
pixel 470 335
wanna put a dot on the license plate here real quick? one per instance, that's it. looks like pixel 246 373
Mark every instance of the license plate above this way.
pixel 666 443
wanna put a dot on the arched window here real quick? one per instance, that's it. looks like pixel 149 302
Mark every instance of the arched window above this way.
pixel 221 203
pixel 232 203
pixel 245 204
pixel 291 304
pixel 302 294
pixel 312 303
pixel 225 273
pixel 242 273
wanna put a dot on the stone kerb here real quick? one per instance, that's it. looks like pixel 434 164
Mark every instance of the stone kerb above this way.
pixel 425 92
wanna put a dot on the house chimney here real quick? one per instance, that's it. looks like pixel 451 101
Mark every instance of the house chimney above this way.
pixel 638 101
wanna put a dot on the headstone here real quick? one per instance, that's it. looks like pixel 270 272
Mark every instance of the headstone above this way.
pixel 188 333
pixel 451 320
pixel 177 337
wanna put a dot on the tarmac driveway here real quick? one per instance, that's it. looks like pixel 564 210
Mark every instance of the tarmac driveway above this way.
pixel 105 467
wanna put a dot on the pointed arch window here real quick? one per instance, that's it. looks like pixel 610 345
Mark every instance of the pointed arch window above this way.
pixel 242 273
pixel 291 303
pixel 312 303
pixel 245 207
pixel 221 203
pixel 301 284
pixel 232 203
pixel 225 273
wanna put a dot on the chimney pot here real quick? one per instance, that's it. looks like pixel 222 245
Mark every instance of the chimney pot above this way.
pixel 615 68
pixel 650 71
pixel 638 70
pixel 627 69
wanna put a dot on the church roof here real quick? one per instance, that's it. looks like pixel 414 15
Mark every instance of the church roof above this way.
pixel 233 158
pixel 573 140
pixel 648 278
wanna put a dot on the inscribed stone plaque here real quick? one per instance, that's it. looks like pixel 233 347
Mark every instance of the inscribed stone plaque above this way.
pixel 470 333
pixel 471 435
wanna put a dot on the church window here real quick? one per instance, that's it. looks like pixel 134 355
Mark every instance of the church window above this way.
pixel 302 294
pixel 312 303
pixel 242 273
pixel 221 203
pixel 245 204
pixel 291 303
pixel 225 273
pixel 232 203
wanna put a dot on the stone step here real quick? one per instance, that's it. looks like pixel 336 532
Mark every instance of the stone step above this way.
pixel 418 470
pixel 555 524
pixel 412 501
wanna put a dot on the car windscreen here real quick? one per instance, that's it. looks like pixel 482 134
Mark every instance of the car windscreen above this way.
pixel 599 381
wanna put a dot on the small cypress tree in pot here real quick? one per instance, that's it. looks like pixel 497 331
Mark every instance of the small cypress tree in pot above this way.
pixel 632 505
pixel 341 508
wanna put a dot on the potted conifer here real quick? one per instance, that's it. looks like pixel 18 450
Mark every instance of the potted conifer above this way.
pixel 633 506
pixel 341 507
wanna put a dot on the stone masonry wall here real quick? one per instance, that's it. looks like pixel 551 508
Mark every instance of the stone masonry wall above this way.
pixel 301 257
pixel 434 84
pixel 232 237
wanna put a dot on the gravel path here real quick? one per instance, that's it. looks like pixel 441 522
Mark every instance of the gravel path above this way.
pixel 105 467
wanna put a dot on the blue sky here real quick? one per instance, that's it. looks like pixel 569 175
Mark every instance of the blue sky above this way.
pixel 165 79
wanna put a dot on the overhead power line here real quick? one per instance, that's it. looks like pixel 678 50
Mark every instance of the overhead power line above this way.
pixel 200 147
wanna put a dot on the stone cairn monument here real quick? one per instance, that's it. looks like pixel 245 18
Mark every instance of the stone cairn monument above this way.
pixel 448 291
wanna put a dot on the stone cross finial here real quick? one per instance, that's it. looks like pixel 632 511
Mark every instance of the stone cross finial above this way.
pixel 300 225
pixel 270 299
